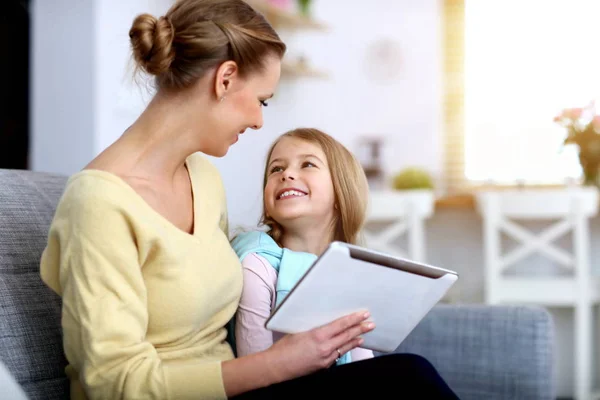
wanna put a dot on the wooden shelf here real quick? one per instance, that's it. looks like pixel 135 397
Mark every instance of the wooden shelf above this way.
pixel 299 70
pixel 283 19
pixel 280 18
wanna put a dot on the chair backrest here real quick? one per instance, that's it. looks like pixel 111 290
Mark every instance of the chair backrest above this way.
pixel 30 329
pixel 569 208
pixel 538 203
pixel 404 212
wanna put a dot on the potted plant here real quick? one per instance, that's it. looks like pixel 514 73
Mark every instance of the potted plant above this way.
pixel 583 130
pixel 412 178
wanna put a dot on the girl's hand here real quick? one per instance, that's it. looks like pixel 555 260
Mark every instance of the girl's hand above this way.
pixel 303 353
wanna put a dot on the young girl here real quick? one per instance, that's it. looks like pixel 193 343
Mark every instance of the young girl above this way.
pixel 315 192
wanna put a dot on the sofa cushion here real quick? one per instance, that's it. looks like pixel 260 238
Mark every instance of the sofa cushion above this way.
pixel 30 331
pixel 489 352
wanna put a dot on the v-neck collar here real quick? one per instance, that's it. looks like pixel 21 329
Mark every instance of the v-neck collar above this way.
pixel 117 179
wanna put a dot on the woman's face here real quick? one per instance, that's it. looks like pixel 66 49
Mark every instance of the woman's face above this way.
pixel 241 107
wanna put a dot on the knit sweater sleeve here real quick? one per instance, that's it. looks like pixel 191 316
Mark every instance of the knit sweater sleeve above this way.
pixel 92 261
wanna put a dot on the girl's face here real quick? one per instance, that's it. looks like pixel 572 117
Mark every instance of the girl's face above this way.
pixel 299 188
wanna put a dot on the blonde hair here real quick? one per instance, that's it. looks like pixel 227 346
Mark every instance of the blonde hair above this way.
pixel 196 35
pixel 349 185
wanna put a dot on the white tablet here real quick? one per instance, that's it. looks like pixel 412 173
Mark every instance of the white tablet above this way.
pixel 346 278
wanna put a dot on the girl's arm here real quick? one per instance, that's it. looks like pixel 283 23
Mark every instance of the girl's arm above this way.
pixel 255 306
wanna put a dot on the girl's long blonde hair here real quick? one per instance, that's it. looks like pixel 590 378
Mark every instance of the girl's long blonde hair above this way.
pixel 350 187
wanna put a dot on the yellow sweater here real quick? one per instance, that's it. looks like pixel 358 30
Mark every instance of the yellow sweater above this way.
pixel 144 303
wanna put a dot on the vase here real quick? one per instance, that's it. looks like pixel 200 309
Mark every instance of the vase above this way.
pixel 588 142
pixel 590 168
pixel 590 175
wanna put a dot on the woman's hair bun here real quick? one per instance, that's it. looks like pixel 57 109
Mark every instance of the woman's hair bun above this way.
pixel 152 43
pixel 197 35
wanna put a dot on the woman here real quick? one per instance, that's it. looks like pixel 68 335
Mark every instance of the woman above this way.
pixel 138 248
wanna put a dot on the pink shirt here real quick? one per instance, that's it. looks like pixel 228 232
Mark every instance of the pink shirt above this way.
pixel 258 299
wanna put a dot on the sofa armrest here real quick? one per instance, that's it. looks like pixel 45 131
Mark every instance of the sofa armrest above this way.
pixel 489 352
pixel 10 387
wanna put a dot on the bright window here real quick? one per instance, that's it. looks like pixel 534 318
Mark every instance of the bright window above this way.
pixel 525 60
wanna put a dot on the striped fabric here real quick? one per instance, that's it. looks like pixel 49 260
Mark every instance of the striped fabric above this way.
pixel 30 334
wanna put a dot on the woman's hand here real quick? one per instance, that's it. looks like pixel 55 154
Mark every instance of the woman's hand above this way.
pixel 303 353
pixel 295 355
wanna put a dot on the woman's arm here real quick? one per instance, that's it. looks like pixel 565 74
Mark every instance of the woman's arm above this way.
pixel 255 306
pixel 105 317
pixel 295 355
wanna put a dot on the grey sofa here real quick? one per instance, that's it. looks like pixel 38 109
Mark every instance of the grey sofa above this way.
pixel 482 352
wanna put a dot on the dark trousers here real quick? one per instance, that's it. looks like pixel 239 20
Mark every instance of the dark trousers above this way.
pixel 396 376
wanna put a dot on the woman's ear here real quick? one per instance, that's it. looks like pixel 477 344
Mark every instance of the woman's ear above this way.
pixel 227 75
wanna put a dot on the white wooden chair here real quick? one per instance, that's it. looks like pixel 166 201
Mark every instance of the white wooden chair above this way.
pixel 568 210
pixel 405 213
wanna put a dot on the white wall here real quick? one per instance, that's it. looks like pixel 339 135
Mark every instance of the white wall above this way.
pixel 63 90
pixel 84 96
pixel 83 92
pixel 120 95
pixel 350 104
